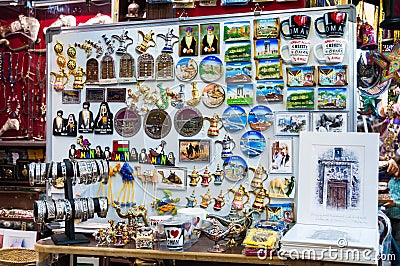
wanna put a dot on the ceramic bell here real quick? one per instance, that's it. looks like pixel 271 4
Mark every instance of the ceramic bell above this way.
pixel 368 37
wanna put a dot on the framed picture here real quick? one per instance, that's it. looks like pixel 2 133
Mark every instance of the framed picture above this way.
pixel 95 95
pixel 237 52
pixel 237 31
pixel 19 239
pixel 116 95
pixel 291 123
pixel 171 177
pixel 266 49
pixel 240 94
pixel 270 91
pixel 329 121
pixel 300 98
pixel 281 155
pixel 188 40
pixel 332 98
pixel 280 212
pixel 238 72
pixel 302 76
pixel 332 75
pixel 268 69
pixel 209 38
pixel 266 28
pixel 194 150
pixel 71 96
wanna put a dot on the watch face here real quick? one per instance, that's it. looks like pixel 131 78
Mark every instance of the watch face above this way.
pixel 157 124
pixel 188 121
pixel 213 95
pixel 260 118
pixel 186 69
pixel 127 122
pixel 211 69
pixel 252 143
pixel 234 119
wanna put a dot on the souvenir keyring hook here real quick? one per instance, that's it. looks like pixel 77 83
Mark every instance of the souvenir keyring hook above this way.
pixel 184 15
pixel 257 9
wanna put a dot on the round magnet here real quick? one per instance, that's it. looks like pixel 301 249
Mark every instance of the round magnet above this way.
pixel 260 118
pixel 188 121
pixel 157 124
pixel 213 95
pixel 210 68
pixel 252 143
pixel 186 69
pixel 235 168
pixel 127 122
pixel 234 118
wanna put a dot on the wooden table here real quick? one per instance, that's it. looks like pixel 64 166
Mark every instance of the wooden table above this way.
pixel 198 252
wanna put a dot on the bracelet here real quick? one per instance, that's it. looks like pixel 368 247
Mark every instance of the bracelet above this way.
pixel 89 173
pixel 42 173
pixel 84 210
pixel 41 211
pixel 78 209
pixel 106 171
pixel 37 173
pixel 51 209
pixel 49 171
pixel 31 174
pixel 68 209
pixel 95 172
pixel 75 170
pixel 101 171
pixel 54 174
pixel 103 207
pixel 82 172
pixel 63 171
pixel 60 210
pixel 90 204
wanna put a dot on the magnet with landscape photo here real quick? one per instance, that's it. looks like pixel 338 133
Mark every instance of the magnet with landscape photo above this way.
pixel 291 123
pixel 268 69
pixel 95 95
pixel 332 98
pixel 266 49
pixel 240 94
pixel 71 96
pixel 266 28
pixel 270 91
pixel 329 121
pixel 300 98
pixel 194 150
pixel 238 72
pixel 171 177
pixel 302 76
pixel 237 52
pixel 237 31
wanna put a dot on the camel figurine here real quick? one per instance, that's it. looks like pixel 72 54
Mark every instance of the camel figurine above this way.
pixel 147 175
pixel 279 189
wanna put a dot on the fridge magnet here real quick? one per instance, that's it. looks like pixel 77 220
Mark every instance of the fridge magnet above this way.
pixel 107 67
pixel 116 95
pixel 71 127
pixel 332 75
pixel 61 78
pixel 85 120
pixel 235 168
pixel 194 150
pixel 237 31
pixel 302 76
pixel 237 51
pixel 95 95
pixel 157 156
pixel 126 69
pixel 147 41
pixel 268 69
pixel 238 72
pixel 270 91
pixel 170 40
pixel 280 212
pixel 234 119
pixel 186 69
pixel 178 101
pixel 188 44
pixel 157 124
pixel 266 28
pixel 240 94
pixel 208 3
pixel 291 123
pixel 188 121
pixel 145 67
pixel 211 68
pixel 300 98
pixel 260 118
pixel 332 98
pixel 171 177
pixel 164 67
pixel 92 71
pixel 213 95
pixel 252 143
pixel 71 96
pixel 215 124
pixel 266 49
pixel 127 122
pixel 103 124
pixel 281 156
pixel 210 38
pixel 329 121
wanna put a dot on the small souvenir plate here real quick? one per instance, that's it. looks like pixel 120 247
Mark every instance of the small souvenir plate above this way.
pixel 235 168
pixel 252 143
pixel 266 28
pixel 269 69
pixel 300 98
pixel 213 95
pixel 302 76
pixel 270 91
pixel 188 121
pixel 116 95
pixel 332 98
pixel 281 155
pixel 291 123
pixel 266 49
pixel 240 94
pixel 95 95
pixel 329 121
pixel 237 52
pixel 239 72
pixel 194 150
pixel 157 124
pixel 186 69
pixel 234 119
pixel 237 31
pixel 211 68
pixel 71 96
pixel 127 122
pixel 260 118
pixel 332 75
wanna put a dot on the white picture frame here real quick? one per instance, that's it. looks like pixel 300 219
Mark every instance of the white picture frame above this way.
pixel 291 123
pixel 19 239
pixel 280 159
pixel 323 121
pixel 171 177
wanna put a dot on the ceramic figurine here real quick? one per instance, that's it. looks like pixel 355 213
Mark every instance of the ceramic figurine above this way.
pixel 195 95
pixel 206 177
pixel 205 199
pixel 218 176
pixel 259 172
pixel 124 41
pixel 166 205
pixel 238 196
pixel 144 238
pixel 260 195
pixel 215 125
pixel 219 201
pixel 101 237
pixel 191 200
pixel 194 177
pixel 228 145
pixel 168 40
pixel 281 189
pixel 61 79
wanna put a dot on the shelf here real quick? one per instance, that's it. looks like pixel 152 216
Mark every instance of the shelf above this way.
pixel 22 143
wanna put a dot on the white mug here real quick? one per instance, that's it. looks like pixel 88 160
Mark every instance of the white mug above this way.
pixel 299 51
pixel 333 51
pixel 175 232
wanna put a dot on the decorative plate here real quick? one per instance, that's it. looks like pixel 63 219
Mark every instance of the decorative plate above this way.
pixel 127 122
pixel 260 118
pixel 252 143
pixel 213 95
pixel 211 69
pixel 235 168
pixel 157 124
pixel 186 69
pixel 188 121
pixel 234 119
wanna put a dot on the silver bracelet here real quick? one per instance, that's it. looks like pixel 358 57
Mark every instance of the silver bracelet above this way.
pixel 82 172
pixel 51 209
pixel 42 173
pixel 41 211
pixel 89 173
pixel 37 173
pixel 101 170
pixel 75 170
pixel 63 171
pixel 31 174
pixel 60 210
pixel 68 209
pixel 103 207
pixel 95 172
pixel 84 210
pixel 54 174
pixel 48 172
pixel 78 209
pixel 90 204
pixel 106 168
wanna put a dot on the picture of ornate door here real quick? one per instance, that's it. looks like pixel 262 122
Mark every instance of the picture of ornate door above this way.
pixel 337 194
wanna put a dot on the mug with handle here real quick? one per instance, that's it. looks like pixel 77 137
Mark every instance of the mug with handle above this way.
pixel 334 24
